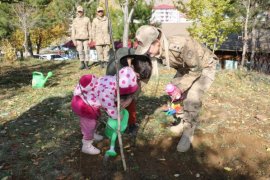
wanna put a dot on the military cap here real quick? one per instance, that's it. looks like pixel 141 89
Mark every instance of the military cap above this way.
pixel 100 9
pixel 79 8
pixel 145 36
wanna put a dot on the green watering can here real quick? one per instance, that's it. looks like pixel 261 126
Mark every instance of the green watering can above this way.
pixel 39 80
pixel 111 130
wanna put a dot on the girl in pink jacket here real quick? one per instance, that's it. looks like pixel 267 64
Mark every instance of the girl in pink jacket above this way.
pixel 93 93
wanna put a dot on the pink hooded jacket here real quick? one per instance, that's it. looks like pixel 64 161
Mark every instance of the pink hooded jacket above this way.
pixel 101 92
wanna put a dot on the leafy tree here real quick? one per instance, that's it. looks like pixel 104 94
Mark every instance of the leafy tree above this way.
pixel 5 23
pixel 10 53
pixel 25 16
pixel 254 18
pixel 255 22
pixel 213 20
pixel 17 41
pixel 117 23
pixel 142 15
pixel 128 10
pixel 123 20
pixel 44 37
pixel 39 23
pixel 247 5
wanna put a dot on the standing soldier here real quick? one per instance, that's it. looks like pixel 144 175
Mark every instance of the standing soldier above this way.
pixel 101 36
pixel 81 36
pixel 195 65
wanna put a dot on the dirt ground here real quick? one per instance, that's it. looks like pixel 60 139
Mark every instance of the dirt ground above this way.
pixel 218 152
pixel 232 140
pixel 40 137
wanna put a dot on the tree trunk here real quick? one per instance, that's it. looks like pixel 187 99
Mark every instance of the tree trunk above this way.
pixel 126 25
pixel 253 40
pixel 29 45
pixel 25 43
pixel 245 39
pixel 215 45
pixel 127 19
pixel 38 44
pixel 21 54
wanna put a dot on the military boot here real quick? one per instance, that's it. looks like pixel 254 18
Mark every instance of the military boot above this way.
pixel 186 138
pixel 105 63
pixel 86 64
pixel 102 64
pixel 82 65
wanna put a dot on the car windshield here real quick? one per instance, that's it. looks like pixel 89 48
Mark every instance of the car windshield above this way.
pixel 56 56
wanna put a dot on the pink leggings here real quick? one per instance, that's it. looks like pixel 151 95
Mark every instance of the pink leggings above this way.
pixel 88 116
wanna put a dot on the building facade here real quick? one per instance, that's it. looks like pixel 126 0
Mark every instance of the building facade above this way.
pixel 167 14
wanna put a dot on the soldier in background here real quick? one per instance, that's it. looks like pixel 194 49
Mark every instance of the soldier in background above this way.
pixel 195 65
pixel 101 36
pixel 81 36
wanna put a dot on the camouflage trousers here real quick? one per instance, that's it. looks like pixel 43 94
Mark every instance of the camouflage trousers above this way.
pixel 193 101
pixel 83 49
pixel 103 52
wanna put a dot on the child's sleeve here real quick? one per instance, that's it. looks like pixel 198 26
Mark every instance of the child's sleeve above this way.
pixel 108 103
pixel 107 96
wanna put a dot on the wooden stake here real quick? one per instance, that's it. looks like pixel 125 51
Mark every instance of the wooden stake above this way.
pixel 118 94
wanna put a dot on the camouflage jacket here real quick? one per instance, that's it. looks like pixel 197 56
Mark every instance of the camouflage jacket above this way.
pixel 100 30
pixel 188 57
pixel 81 29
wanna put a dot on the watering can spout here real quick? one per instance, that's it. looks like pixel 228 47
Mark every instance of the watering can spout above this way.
pixel 48 76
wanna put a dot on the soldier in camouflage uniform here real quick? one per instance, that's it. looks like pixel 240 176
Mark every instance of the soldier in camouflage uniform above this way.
pixel 195 65
pixel 81 36
pixel 101 36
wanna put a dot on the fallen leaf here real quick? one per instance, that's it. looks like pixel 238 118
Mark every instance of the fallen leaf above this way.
pixel 261 117
pixel 228 168
pixel 162 159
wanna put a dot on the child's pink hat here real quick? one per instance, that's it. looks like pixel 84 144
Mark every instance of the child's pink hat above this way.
pixel 127 81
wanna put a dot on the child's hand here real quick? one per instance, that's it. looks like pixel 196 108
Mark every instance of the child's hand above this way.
pixel 176 95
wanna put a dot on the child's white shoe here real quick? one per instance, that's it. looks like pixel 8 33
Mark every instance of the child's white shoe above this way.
pixel 98 137
pixel 88 147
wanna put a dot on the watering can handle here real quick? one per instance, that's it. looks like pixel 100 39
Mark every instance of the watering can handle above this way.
pixel 39 73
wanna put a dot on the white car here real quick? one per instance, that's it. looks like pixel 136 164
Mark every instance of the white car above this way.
pixel 53 57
